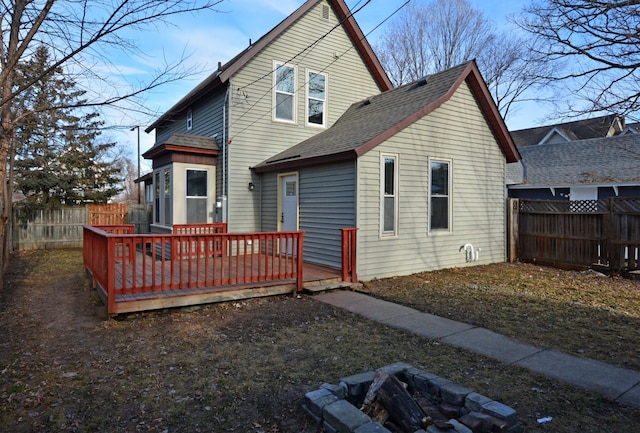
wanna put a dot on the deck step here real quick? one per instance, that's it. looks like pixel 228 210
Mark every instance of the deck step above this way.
pixel 320 288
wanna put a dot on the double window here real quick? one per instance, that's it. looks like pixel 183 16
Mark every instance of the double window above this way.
pixel 389 178
pixel 439 196
pixel 316 98
pixel 285 93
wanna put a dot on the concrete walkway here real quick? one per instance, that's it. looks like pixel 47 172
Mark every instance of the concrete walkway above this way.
pixel 615 383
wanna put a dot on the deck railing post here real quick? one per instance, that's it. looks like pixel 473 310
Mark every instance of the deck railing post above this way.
pixel 300 264
pixel 349 256
pixel 110 277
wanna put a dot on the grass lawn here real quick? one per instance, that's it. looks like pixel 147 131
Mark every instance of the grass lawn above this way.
pixel 245 366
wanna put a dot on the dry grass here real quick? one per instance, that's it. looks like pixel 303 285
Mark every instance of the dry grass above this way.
pixel 245 366
pixel 582 313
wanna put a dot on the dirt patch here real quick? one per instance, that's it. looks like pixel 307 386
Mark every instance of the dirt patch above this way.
pixel 243 366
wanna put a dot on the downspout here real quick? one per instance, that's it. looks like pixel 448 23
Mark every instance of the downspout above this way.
pixel 225 211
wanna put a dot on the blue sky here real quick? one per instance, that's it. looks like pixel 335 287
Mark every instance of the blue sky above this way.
pixel 211 37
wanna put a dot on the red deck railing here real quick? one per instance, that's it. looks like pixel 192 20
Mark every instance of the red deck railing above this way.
pixel 194 257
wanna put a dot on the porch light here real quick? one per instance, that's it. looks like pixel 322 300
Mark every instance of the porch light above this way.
pixel 251 186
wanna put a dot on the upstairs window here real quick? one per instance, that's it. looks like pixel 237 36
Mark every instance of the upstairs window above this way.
pixel 189 119
pixel 285 92
pixel 440 196
pixel 316 98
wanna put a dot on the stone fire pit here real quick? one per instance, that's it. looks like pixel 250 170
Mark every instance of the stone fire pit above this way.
pixel 338 406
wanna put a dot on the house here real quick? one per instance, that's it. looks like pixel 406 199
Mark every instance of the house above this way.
pixel 289 85
pixel 597 127
pixel 419 170
pixel 303 131
pixel 592 169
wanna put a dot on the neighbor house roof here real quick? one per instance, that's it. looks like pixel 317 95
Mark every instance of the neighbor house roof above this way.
pixel 596 127
pixel 597 160
pixel 370 122
pixel 224 72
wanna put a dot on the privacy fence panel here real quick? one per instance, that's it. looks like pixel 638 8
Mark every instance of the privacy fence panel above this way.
pixel 579 234
pixel 62 227
pixel 45 229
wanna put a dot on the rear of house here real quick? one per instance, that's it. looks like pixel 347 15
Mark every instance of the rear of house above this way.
pixel 419 170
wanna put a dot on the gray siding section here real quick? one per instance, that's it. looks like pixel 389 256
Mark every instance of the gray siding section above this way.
pixel 327 205
pixel 456 131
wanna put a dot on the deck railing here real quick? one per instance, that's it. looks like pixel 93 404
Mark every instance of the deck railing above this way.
pixel 123 263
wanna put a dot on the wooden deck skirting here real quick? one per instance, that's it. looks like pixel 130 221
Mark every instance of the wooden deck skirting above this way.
pixel 195 263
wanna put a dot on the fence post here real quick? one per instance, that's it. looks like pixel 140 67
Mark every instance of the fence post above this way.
pixel 513 214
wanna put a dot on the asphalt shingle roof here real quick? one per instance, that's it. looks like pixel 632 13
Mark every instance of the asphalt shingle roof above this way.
pixel 577 130
pixel 597 160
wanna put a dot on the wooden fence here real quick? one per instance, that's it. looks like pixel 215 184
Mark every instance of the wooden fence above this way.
pixel 577 234
pixel 62 228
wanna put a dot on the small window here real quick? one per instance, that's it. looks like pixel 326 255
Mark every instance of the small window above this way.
pixel 440 194
pixel 168 204
pixel 157 198
pixel 389 178
pixel 189 119
pixel 285 92
pixel 316 98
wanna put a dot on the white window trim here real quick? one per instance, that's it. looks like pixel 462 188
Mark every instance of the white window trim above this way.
pixel 449 230
pixel 389 234
pixel 307 98
pixel 207 196
pixel 295 93
pixel 189 119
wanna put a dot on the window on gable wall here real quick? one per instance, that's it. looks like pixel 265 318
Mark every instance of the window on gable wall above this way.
pixel 389 178
pixel 189 119
pixel 285 92
pixel 316 98
pixel 439 196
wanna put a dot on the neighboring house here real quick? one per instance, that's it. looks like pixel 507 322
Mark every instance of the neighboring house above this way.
pixel 275 141
pixel 597 127
pixel 592 169
pixel 291 84
pixel 419 170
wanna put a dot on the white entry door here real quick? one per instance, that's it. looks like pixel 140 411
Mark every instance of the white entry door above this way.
pixel 288 206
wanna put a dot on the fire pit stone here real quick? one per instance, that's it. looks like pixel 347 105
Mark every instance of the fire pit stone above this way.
pixel 336 406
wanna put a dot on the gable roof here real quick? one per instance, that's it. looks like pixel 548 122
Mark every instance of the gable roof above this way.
pixel 226 71
pixel 596 127
pixel 597 160
pixel 370 122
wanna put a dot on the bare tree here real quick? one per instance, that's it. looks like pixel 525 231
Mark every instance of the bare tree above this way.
pixel 431 37
pixel 593 49
pixel 78 33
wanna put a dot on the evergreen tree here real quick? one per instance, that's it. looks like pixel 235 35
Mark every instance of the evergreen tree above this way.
pixel 58 158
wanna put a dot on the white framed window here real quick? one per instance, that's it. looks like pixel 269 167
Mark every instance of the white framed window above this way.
pixel 197 197
pixel 163 204
pixel 316 99
pixel 439 195
pixel 389 196
pixel 284 97
pixel 189 119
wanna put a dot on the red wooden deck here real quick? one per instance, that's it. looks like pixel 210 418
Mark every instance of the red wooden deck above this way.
pixel 145 272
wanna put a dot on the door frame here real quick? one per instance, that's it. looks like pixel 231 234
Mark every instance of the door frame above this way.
pixel 281 178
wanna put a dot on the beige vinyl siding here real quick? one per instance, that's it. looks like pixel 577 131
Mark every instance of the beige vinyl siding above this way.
pixel 255 135
pixel 456 131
